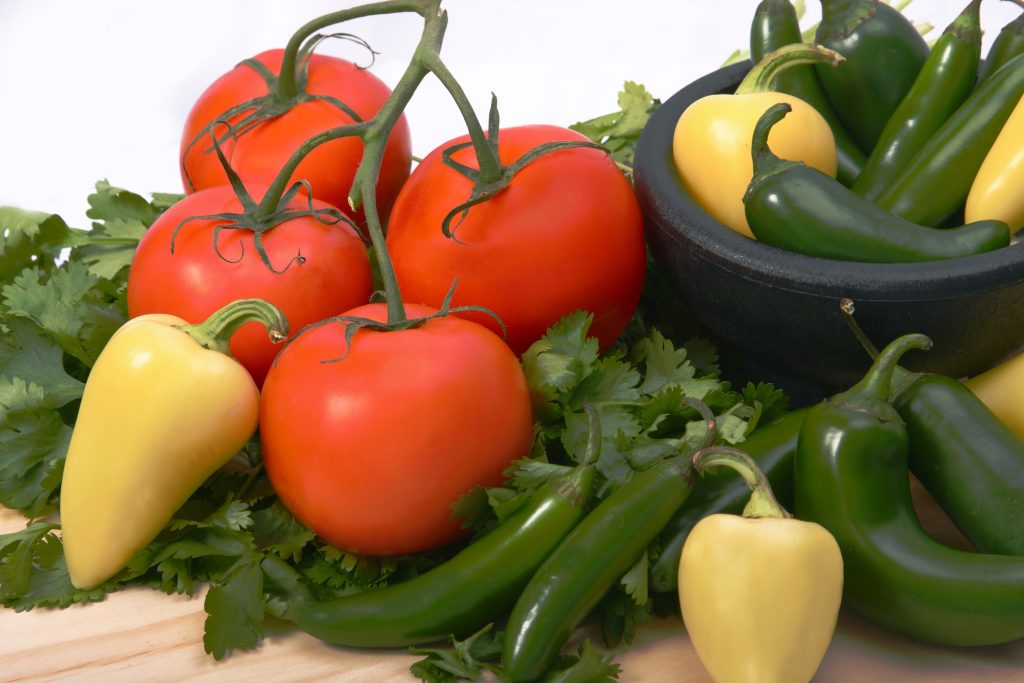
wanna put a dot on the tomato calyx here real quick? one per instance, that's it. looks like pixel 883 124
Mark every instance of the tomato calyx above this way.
pixel 283 94
pixel 259 217
pixel 489 180
pixel 355 323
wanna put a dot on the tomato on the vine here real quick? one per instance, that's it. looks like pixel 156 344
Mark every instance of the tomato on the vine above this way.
pixel 369 445
pixel 566 234
pixel 259 153
pixel 322 268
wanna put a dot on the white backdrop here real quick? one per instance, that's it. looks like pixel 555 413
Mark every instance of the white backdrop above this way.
pixel 93 89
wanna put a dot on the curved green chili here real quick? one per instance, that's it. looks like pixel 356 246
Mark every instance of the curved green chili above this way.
pixel 472 588
pixel 884 53
pixel 798 208
pixel 776 24
pixel 851 477
pixel 942 85
pixel 935 184
pixel 967 459
pixel 595 555
pixel 970 462
pixel 1007 45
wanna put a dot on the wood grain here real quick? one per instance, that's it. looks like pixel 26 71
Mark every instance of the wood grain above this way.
pixel 141 635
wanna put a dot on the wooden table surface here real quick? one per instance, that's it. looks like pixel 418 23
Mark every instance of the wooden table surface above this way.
pixel 141 635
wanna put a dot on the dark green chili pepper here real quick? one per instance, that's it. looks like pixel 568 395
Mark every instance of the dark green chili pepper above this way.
pixel 944 82
pixel 851 477
pixel 472 588
pixel 884 53
pixel 596 554
pixel 776 24
pixel 772 447
pixel 1007 45
pixel 967 458
pixel 795 207
pixel 592 557
pixel 935 184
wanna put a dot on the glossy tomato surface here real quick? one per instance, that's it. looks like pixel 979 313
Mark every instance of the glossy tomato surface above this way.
pixel 199 276
pixel 259 154
pixel 369 446
pixel 567 234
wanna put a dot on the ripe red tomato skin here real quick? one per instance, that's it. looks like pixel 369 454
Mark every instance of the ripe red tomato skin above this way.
pixel 195 281
pixel 369 451
pixel 259 154
pixel 567 234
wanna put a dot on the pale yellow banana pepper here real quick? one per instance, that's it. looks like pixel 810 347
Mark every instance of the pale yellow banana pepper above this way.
pixel 998 188
pixel 759 594
pixel 1001 388
pixel 712 139
pixel 164 407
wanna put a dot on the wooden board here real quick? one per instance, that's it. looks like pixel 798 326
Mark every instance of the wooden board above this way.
pixel 142 635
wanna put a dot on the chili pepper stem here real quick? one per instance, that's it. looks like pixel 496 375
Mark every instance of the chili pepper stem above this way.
pixel 877 383
pixel 761 78
pixel 215 332
pixel 765 161
pixel 762 501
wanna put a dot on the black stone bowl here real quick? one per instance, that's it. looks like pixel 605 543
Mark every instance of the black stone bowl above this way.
pixel 776 313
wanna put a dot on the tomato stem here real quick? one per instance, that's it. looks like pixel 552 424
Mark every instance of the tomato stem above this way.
pixel 288 82
pixel 487 160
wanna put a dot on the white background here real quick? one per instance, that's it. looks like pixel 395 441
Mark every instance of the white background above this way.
pixel 93 89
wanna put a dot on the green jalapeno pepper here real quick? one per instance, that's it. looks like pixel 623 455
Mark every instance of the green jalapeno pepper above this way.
pixel 776 24
pixel 936 182
pixel 1007 45
pixel 944 82
pixel 794 207
pixel 970 462
pixel 592 557
pixel 851 477
pixel 884 53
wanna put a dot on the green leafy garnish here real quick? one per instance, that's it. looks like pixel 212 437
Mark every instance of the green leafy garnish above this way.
pixel 619 131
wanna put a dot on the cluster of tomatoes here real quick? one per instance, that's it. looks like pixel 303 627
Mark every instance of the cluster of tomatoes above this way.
pixel 369 435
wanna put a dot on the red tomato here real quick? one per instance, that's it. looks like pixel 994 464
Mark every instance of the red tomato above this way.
pixel 193 282
pixel 259 154
pixel 370 450
pixel 566 234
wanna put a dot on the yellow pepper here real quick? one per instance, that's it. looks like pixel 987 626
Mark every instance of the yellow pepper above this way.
pixel 712 139
pixel 760 593
pixel 1001 388
pixel 163 408
pixel 996 190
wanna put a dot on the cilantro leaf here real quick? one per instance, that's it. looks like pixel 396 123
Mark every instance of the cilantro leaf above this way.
pixel 769 402
pixel 462 660
pixel 65 306
pixel 28 237
pixel 234 606
pixel 588 665
pixel 33 444
pixel 25 352
pixel 33 572
pixel 619 131
pixel 275 530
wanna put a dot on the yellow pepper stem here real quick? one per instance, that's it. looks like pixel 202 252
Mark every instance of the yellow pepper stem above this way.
pixel 762 77
pixel 762 501
pixel 215 332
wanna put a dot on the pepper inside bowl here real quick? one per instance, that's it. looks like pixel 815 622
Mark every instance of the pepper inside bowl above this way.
pixel 778 313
